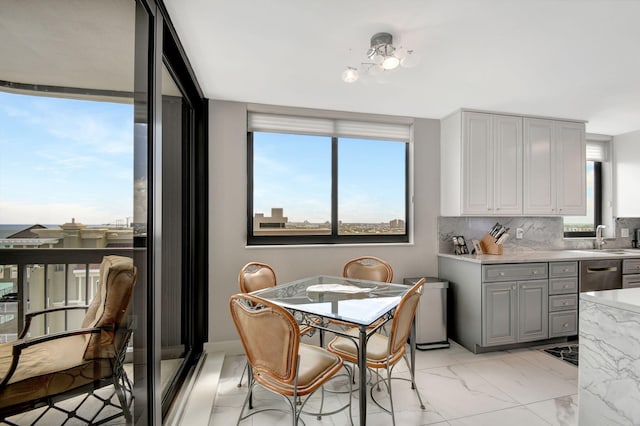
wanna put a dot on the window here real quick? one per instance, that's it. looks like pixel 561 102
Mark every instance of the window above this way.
pixel 585 226
pixel 326 181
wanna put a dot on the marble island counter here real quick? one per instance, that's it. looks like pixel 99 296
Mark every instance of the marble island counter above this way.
pixel 547 256
pixel 609 358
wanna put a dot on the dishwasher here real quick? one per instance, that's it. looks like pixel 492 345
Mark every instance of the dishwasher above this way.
pixel 596 275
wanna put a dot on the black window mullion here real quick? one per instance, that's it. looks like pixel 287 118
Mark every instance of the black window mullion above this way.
pixel 334 187
pixel 597 193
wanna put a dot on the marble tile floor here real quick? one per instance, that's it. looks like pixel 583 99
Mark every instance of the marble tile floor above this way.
pixel 523 387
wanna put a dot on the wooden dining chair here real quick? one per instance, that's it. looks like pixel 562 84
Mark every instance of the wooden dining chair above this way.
pixel 384 352
pixel 279 362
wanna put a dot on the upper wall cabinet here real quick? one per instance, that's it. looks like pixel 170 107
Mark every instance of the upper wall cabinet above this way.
pixel 481 164
pixel 554 167
pixel 507 165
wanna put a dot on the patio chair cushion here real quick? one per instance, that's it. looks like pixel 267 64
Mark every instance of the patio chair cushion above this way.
pixel 109 306
pixel 49 368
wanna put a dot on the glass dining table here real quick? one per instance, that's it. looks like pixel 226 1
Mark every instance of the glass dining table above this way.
pixel 360 303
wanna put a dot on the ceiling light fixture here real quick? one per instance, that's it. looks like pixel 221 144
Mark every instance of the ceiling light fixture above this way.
pixel 383 56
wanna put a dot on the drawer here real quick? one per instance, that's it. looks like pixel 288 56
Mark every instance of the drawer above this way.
pixel 631 281
pixel 563 302
pixel 514 272
pixel 563 269
pixel 563 285
pixel 563 323
pixel 631 266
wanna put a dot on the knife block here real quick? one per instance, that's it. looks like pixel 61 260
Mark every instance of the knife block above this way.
pixel 489 246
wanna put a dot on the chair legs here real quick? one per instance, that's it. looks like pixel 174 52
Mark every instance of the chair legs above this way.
pixel 296 403
pixel 387 383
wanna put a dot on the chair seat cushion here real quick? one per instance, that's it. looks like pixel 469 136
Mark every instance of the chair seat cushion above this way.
pixel 317 365
pixel 43 358
pixel 47 369
pixel 377 348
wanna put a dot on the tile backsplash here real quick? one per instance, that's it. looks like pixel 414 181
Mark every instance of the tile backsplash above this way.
pixel 540 233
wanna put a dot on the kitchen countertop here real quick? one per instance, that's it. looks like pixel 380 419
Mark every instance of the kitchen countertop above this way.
pixel 627 299
pixel 547 256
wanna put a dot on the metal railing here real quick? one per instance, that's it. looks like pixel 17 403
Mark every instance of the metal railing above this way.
pixel 23 259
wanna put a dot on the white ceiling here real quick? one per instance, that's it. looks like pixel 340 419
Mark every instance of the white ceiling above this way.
pixel 562 58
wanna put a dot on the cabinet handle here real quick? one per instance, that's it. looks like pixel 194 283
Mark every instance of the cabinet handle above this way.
pixel 501 274
pixel 566 270
pixel 524 286
pixel 513 288
pixel 565 325
pixel 535 272
pixel 560 209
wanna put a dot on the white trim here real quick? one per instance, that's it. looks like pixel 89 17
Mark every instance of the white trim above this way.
pixel 228 347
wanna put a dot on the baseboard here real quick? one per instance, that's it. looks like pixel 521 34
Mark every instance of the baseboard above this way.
pixel 228 347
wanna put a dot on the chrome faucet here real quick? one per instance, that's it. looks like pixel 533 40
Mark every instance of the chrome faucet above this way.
pixel 599 238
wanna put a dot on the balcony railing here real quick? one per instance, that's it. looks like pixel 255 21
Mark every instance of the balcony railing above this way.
pixel 43 278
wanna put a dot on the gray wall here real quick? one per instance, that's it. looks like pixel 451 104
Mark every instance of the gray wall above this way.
pixel 227 219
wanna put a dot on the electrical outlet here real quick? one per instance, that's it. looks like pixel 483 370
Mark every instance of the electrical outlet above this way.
pixel 519 233
pixel 624 232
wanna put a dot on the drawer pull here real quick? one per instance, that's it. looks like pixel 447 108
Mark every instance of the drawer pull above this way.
pixel 565 286
pixel 501 274
pixel 565 325
pixel 566 270
pixel 535 272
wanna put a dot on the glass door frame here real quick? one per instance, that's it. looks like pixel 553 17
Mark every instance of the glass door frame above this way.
pixel 157 43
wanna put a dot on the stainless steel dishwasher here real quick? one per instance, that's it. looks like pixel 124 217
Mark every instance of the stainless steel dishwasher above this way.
pixel 596 275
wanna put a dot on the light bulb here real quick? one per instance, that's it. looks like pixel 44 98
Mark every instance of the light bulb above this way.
pixel 390 62
pixel 350 75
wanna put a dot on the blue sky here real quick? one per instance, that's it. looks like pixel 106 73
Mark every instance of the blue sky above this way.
pixel 63 158
pixel 294 172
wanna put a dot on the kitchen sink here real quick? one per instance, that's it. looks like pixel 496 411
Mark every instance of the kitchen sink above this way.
pixel 613 251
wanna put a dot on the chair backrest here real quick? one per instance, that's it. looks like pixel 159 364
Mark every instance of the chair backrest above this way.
pixel 368 268
pixel 269 335
pixel 109 307
pixel 256 276
pixel 403 317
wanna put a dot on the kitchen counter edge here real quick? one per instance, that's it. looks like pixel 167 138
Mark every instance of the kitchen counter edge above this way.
pixel 542 256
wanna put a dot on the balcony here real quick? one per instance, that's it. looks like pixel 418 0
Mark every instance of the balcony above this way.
pixel 34 279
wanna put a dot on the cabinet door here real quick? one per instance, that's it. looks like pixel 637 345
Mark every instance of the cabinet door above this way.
pixel 507 157
pixel 533 310
pixel 499 313
pixel 477 190
pixel 539 167
pixel 571 168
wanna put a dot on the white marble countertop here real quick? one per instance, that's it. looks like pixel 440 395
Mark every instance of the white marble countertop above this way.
pixel 547 256
pixel 627 299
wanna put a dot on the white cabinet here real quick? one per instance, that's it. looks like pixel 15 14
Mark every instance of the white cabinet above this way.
pixel 626 149
pixel 554 167
pixel 481 160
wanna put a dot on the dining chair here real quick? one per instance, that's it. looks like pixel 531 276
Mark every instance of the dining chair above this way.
pixel 257 276
pixel 384 352
pixel 279 362
pixel 368 268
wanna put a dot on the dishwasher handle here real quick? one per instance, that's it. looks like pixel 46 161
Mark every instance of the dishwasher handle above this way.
pixel 593 270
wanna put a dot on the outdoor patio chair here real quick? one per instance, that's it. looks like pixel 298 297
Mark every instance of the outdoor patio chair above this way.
pixel 43 370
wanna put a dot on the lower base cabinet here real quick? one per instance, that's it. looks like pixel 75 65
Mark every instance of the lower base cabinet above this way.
pixel 514 312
